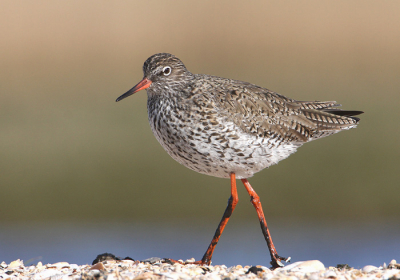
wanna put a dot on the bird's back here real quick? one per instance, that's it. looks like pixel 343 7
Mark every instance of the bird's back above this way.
pixel 264 113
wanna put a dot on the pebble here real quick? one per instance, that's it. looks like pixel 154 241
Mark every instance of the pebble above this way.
pixel 394 264
pixel 330 274
pixel 128 269
pixel 45 274
pixel 305 266
pixel 152 260
pixel 369 268
pixel 98 266
pixel 15 264
pixel 58 265
pixel 3 265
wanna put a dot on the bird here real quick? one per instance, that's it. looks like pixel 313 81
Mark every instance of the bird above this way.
pixel 230 129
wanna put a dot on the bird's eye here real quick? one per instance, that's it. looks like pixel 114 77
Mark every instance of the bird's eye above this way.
pixel 167 70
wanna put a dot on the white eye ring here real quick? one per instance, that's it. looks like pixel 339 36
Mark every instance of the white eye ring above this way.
pixel 167 70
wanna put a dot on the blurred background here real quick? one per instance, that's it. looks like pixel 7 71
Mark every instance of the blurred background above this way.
pixel 82 175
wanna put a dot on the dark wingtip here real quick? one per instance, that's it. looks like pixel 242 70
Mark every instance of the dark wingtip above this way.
pixel 340 112
pixel 355 113
pixel 345 113
pixel 351 115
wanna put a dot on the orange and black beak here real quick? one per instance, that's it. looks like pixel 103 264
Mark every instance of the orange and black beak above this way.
pixel 145 83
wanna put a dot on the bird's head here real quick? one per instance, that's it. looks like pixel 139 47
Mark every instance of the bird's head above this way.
pixel 163 72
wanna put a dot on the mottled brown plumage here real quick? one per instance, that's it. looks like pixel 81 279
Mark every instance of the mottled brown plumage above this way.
pixel 228 128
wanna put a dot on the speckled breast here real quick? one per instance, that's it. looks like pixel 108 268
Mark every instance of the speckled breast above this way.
pixel 208 144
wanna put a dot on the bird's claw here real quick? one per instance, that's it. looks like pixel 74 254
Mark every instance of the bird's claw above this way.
pixel 276 261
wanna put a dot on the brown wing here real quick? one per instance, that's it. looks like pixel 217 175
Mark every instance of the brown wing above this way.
pixel 268 114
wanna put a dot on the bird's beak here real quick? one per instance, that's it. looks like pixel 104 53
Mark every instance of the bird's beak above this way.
pixel 145 83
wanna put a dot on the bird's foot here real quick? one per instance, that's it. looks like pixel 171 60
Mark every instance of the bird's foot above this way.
pixel 276 261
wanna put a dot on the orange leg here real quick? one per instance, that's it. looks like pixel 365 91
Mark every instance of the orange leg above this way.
pixel 233 200
pixel 255 200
